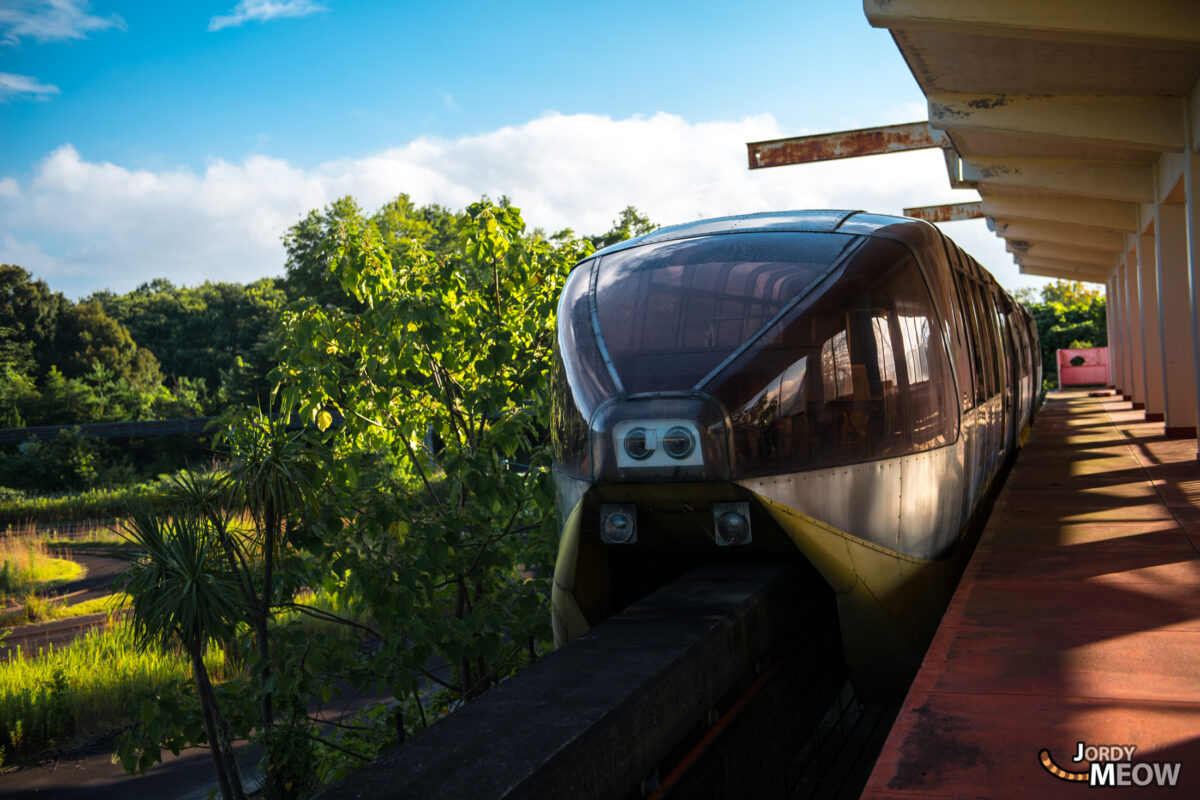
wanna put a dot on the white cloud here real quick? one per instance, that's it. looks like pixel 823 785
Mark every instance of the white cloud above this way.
pixel 263 11
pixel 50 20
pixel 83 225
pixel 12 86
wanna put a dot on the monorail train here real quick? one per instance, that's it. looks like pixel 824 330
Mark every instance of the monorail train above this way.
pixel 844 384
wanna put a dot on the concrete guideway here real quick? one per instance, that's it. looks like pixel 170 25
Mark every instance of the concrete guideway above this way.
pixel 704 688
pixel 1077 620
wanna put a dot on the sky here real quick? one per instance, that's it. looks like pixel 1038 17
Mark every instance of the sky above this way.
pixel 143 140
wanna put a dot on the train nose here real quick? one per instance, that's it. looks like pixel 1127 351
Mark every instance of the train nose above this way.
pixel 684 436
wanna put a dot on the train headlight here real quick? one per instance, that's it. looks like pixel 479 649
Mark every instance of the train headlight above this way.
pixel 640 443
pixel 679 442
pixel 618 523
pixel 657 446
pixel 731 523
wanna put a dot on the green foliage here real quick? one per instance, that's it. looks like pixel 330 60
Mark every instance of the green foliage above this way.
pixel 450 553
pixel 18 394
pixel 1069 315
pixel 198 333
pixel 629 224
pixel 98 505
pixel 87 336
pixel 402 229
pixel 28 321
pixel 181 593
pixel 69 461
pixel 179 590
pixel 408 322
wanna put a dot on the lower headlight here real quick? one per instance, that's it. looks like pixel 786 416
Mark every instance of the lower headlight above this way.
pixel 618 523
pixel 731 523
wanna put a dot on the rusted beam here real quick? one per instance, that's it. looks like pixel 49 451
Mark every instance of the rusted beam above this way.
pixel 952 212
pixel 845 144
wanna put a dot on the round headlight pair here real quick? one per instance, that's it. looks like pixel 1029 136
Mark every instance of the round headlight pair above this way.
pixel 678 442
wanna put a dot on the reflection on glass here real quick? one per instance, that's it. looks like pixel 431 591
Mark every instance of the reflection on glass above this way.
pixel 883 345
pixel 671 312
pixel 835 367
pixel 915 331
pixel 884 386
pixel 792 389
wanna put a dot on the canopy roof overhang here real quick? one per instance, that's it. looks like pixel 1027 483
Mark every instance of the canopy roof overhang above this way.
pixel 1070 118
pixel 1066 116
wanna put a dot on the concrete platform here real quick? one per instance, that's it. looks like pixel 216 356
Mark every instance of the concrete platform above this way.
pixel 1077 620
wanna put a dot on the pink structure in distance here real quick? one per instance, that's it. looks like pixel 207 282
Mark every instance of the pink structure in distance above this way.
pixel 1093 370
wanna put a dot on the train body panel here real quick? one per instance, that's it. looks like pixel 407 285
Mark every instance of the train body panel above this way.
pixel 844 385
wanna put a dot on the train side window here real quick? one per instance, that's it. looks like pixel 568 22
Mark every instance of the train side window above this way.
pixel 836 368
pixel 883 347
pixel 857 372
pixel 978 345
pixel 995 337
pixel 963 313
pixel 987 348
pixel 915 331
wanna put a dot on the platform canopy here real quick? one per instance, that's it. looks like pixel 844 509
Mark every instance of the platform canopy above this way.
pixel 1070 117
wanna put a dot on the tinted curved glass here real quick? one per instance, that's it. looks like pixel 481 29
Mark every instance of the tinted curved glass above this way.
pixel 671 312
pixel 857 371
pixel 582 364
pixel 579 381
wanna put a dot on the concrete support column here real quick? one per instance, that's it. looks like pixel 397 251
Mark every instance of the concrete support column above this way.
pixel 1174 303
pixel 1110 312
pixel 1191 165
pixel 1137 383
pixel 1118 332
pixel 1151 342
pixel 1126 347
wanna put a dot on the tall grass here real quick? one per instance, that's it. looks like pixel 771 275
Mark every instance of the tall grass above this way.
pixel 326 605
pixel 95 504
pixel 100 505
pixel 87 685
pixel 27 564
pixel 35 608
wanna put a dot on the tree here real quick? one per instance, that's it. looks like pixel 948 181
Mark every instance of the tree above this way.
pixel 629 224
pixel 403 229
pixel 179 592
pixel 307 267
pixel 274 474
pixel 1069 315
pixel 28 320
pixel 431 545
pixel 87 336
pixel 198 332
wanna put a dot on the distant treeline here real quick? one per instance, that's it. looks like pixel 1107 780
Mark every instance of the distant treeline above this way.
pixel 163 351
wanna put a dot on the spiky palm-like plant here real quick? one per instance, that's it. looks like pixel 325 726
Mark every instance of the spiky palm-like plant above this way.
pixel 274 474
pixel 180 593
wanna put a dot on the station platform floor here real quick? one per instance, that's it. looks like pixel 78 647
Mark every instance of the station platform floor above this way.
pixel 1076 621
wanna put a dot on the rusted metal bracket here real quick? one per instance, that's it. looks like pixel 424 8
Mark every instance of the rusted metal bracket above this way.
pixel 845 144
pixel 951 212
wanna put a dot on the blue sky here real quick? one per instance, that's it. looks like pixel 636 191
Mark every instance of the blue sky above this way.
pixel 181 139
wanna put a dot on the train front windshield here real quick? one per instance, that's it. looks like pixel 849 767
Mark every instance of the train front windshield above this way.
pixel 823 348
pixel 672 312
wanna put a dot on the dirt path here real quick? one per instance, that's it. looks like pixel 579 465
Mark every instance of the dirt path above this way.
pixel 100 572
pixel 91 774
